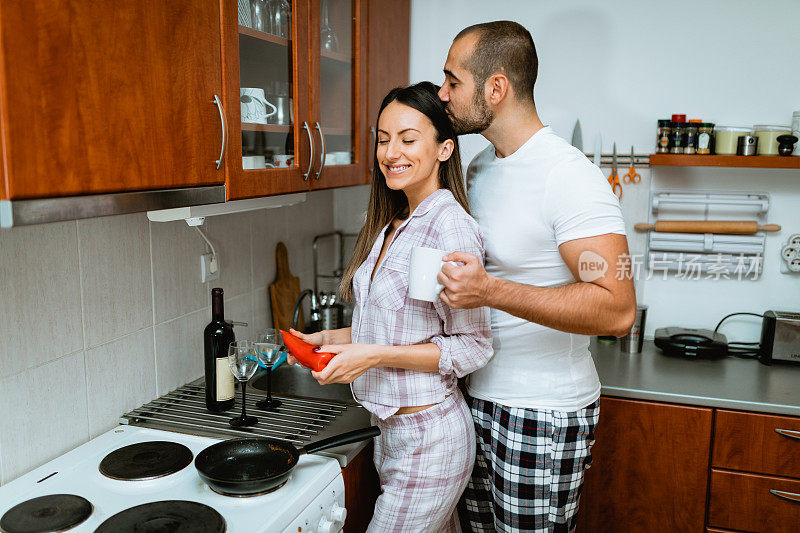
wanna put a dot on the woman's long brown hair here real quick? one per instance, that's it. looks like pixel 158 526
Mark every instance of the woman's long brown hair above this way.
pixel 386 204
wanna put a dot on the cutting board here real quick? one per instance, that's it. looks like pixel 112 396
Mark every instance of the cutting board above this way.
pixel 284 291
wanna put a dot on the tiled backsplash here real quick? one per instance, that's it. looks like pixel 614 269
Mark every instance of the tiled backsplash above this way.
pixel 102 315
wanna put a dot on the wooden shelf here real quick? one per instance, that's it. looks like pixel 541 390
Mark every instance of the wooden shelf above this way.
pixel 749 161
pixel 268 37
pixel 269 128
pixel 339 57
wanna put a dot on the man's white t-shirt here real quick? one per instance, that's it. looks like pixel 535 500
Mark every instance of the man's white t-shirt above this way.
pixel 527 204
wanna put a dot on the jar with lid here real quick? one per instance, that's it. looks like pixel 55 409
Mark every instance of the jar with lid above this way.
pixel 664 132
pixel 676 138
pixel 705 132
pixel 726 139
pixel 796 130
pixel 768 138
pixel 690 137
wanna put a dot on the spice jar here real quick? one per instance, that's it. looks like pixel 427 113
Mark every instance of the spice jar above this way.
pixel 664 132
pixel 705 131
pixel 690 137
pixel 676 138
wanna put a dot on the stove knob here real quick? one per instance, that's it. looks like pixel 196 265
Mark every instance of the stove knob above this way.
pixel 326 526
pixel 338 514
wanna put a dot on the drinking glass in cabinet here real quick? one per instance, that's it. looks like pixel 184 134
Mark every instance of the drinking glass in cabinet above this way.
pixel 259 15
pixel 328 37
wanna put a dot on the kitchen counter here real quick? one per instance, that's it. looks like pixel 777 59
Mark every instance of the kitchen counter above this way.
pixel 731 382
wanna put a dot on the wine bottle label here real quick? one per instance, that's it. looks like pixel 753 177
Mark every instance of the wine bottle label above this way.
pixel 224 380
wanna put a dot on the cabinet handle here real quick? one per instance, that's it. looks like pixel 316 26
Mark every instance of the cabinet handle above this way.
pixel 224 147
pixel 322 159
pixel 791 496
pixel 371 156
pixel 311 158
pixel 788 433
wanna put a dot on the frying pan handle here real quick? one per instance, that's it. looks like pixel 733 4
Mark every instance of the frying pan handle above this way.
pixel 340 440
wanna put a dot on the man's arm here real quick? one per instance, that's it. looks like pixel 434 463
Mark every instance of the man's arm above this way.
pixel 602 306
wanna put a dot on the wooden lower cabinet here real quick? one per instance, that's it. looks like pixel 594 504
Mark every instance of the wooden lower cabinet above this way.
pixel 361 489
pixel 743 501
pixel 649 470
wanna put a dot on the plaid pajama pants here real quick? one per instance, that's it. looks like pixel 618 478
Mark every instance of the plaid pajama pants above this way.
pixel 424 460
pixel 529 468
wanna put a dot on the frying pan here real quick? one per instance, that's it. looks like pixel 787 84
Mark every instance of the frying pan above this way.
pixel 253 465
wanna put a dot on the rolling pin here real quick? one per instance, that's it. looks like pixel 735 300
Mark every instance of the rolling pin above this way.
pixel 735 227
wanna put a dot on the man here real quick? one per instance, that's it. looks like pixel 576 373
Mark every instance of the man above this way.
pixel 550 221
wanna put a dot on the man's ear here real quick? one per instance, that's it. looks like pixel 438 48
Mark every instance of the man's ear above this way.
pixel 497 88
pixel 446 150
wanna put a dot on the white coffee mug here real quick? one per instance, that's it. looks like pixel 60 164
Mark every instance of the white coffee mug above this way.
pixel 253 161
pixel 423 268
pixel 283 161
pixel 254 105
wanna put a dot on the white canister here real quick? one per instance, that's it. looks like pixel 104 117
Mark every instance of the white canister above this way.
pixel 726 138
pixel 768 138
pixel 796 131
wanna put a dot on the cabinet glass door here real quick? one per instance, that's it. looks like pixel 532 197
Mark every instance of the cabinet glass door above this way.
pixel 339 70
pixel 266 150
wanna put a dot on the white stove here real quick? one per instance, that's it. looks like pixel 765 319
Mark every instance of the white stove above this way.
pixel 312 500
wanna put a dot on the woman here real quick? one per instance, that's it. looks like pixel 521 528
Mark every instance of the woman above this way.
pixel 403 356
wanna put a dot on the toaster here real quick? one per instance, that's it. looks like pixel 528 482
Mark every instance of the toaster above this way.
pixel 780 338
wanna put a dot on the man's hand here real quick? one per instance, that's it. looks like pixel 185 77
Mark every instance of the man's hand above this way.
pixel 465 286
pixel 351 361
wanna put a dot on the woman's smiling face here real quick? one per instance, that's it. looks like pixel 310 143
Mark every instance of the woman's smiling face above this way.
pixel 408 154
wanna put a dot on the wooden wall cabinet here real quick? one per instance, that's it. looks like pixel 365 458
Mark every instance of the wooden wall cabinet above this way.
pixel 100 97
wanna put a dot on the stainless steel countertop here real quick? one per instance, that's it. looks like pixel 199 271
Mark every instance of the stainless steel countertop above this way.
pixel 731 382
pixel 294 380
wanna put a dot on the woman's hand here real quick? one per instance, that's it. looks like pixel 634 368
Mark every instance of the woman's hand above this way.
pixel 351 361
pixel 312 338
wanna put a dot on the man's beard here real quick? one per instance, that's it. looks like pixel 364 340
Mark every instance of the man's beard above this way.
pixel 479 118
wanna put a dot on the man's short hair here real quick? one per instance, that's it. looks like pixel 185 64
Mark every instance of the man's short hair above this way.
pixel 506 47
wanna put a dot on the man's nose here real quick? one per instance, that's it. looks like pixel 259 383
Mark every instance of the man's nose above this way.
pixel 443 96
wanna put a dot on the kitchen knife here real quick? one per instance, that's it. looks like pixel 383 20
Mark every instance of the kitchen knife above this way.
pixel 598 149
pixel 577 137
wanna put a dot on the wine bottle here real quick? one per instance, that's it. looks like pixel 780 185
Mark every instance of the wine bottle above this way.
pixel 217 337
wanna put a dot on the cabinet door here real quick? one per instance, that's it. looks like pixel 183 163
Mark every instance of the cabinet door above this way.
pixel 109 96
pixel 389 28
pixel 649 470
pixel 338 89
pixel 266 80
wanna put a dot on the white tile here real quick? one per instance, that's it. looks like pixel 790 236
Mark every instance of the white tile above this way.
pixel 179 350
pixel 240 309
pixel 349 206
pixel 115 272
pixel 176 270
pixel 120 376
pixel 230 235
pixel 268 228
pixel 262 311
pixel 40 315
pixel 44 414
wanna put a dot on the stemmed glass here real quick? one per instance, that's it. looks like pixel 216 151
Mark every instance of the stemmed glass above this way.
pixel 244 363
pixel 267 347
pixel 328 37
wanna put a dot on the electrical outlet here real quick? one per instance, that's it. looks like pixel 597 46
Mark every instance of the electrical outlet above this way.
pixel 790 253
pixel 209 267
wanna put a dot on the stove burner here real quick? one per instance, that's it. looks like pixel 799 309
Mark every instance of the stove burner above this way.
pixel 146 460
pixel 55 512
pixel 273 489
pixel 173 516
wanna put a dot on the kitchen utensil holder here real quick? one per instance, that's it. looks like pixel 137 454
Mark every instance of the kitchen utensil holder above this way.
pixel 709 253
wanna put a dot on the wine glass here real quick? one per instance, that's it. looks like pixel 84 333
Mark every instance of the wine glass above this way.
pixel 244 363
pixel 267 347
pixel 327 36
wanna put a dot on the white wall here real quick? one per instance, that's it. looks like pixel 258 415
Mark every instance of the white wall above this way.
pixel 621 65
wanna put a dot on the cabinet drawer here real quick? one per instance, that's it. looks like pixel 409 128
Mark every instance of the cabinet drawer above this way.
pixel 744 501
pixel 746 441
